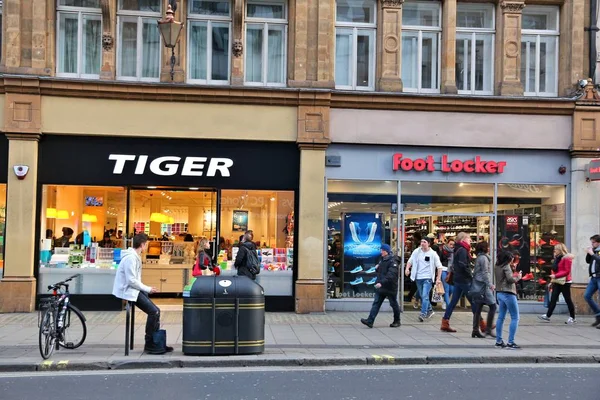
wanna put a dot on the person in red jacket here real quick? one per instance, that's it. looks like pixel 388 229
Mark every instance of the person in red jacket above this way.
pixel 564 261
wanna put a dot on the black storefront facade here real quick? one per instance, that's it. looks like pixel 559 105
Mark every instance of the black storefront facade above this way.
pixel 214 189
pixel 3 193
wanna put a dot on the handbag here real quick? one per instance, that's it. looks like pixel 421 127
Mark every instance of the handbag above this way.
pixel 450 278
pixel 560 281
pixel 477 292
pixel 197 271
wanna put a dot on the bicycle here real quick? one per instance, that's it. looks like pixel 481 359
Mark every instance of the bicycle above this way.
pixel 58 319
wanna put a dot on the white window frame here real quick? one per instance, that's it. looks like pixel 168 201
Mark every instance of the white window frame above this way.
pixel 209 19
pixel 371 29
pixel 266 22
pixel 420 29
pixel 80 11
pixel 537 35
pixel 476 33
pixel 138 17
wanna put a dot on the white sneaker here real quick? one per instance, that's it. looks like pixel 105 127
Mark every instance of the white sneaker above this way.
pixel 571 321
pixel 544 318
pixel 443 305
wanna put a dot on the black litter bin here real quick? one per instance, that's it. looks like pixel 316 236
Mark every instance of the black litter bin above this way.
pixel 224 315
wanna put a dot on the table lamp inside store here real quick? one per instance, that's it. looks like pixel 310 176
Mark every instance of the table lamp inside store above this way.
pixel 86 228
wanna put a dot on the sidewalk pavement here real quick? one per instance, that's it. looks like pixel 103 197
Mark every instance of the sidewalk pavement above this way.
pixel 335 338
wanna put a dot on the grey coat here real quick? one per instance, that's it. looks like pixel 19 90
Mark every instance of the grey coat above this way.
pixel 482 276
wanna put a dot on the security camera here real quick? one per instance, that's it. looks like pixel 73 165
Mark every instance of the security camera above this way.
pixel 582 83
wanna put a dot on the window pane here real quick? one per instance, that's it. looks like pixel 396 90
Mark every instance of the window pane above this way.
pixel 548 64
pixel 92 44
pixel 540 18
pixel 463 62
pixel 363 59
pixel 140 5
pixel 80 3
pixel 254 45
pixel 359 11
pixel 410 50
pixel 220 52
pixel 343 57
pixel 421 14
pixel 198 48
pixel 259 10
pixel 128 48
pixel 67 43
pixel 275 51
pixel 151 49
pixel 206 7
pixel 475 15
pixel 473 198
pixel 528 63
pixel 429 61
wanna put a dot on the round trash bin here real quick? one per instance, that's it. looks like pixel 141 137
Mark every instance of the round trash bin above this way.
pixel 224 315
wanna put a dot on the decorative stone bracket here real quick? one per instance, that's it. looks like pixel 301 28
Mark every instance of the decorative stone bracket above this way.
pixel 237 48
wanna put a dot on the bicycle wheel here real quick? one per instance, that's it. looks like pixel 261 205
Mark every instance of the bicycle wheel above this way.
pixel 74 329
pixel 47 339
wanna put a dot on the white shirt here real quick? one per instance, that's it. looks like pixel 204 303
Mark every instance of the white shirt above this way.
pixel 422 269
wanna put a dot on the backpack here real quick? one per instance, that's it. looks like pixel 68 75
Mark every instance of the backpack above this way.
pixel 252 262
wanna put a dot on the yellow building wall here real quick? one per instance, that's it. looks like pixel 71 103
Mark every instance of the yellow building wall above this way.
pixel 61 115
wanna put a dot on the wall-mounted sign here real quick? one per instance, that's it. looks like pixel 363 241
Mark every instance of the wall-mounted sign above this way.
pixel 169 165
pixel 594 170
pixel 472 166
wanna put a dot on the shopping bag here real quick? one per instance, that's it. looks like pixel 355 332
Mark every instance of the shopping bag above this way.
pixel 436 297
pixel 439 288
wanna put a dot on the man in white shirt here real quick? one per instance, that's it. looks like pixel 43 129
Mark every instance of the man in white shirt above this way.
pixel 421 267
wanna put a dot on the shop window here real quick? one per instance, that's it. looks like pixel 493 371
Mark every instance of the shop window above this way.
pixel 362 215
pixel 79 42
pixel 209 32
pixel 266 40
pixel 355 44
pixel 475 48
pixel 539 50
pixel 270 215
pixel 421 29
pixel 83 228
pixel 139 43
pixel 531 221
pixel 2 225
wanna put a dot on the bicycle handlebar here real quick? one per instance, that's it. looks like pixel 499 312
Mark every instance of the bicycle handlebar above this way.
pixel 63 283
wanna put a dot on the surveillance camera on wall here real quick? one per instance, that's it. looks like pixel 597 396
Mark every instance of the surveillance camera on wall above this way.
pixel 582 83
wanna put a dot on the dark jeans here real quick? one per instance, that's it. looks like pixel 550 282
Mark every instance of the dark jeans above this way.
pixel 460 290
pixel 566 292
pixel 378 301
pixel 153 321
pixel 477 316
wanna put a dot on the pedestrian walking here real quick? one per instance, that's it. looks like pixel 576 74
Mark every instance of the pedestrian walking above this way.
pixel 386 286
pixel 506 292
pixel 593 259
pixel 422 267
pixel 482 291
pixel 461 275
pixel 447 259
pixel 561 283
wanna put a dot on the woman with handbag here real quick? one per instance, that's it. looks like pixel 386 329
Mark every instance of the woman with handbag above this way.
pixel 561 283
pixel 203 261
pixel 482 291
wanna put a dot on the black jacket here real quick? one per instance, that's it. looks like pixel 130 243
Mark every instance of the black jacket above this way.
pixel 241 260
pixel 461 268
pixel 590 260
pixel 387 275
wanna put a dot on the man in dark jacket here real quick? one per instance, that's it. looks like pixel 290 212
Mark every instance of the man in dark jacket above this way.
pixel 246 261
pixel 386 285
pixel 593 259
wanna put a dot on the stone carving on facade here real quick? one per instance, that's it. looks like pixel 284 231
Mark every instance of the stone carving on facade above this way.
pixel 107 42
pixel 237 48
pixel 590 92
pixel 512 7
pixel 392 3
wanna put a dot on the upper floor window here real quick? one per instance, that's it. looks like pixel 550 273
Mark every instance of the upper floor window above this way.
pixel 475 48
pixel 209 33
pixel 539 50
pixel 355 29
pixel 266 37
pixel 421 28
pixel 139 45
pixel 79 38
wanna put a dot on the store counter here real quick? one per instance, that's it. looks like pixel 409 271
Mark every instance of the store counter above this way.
pixel 90 281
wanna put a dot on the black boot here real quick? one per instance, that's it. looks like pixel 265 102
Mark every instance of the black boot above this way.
pixel 395 324
pixel 366 322
pixel 477 334
pixel 597 322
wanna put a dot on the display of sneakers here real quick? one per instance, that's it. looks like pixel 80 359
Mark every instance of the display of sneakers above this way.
pixel 357 281
pixel 514 242
pixel 372 281
pixel 542 242
pixel 571 321
pixel 544 318
pixel 331 269
pixel 357 270
pixel 372 270
pixel 542 281
pixel 541 261
pixel 513 346
pixel 528 277
pixel 554 242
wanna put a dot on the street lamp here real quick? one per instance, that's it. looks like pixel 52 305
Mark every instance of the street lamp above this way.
pixel 170 31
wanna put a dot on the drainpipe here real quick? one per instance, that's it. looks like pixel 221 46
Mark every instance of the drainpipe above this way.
pixel 593 29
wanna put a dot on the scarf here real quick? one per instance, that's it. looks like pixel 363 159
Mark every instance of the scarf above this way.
pixel 466 245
